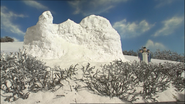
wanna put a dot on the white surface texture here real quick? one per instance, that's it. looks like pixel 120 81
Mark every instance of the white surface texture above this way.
pixel 83 95
pixel 93 39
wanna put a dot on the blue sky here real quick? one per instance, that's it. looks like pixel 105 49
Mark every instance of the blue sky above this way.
pixel 156 24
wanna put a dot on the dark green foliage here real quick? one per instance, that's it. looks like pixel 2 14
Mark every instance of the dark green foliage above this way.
pixel 168 55
pixel 131 53
pixel 6 39
pixel 121 79
pixel 22 73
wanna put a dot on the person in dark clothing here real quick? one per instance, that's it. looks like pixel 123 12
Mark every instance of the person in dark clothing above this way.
pixel 140 56
pixel 149 55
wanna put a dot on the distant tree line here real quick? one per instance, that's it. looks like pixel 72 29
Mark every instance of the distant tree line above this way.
pixel 163 55
pixel 7 39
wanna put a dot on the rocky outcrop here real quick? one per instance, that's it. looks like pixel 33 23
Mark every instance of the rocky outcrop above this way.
pixel 93 39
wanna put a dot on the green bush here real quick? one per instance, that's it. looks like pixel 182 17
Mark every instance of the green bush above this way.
pixel 131 53
pixel 21 74
pixel 119 79
pixel 6 39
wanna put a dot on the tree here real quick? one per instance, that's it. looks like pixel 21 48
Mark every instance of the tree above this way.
pixel 7 39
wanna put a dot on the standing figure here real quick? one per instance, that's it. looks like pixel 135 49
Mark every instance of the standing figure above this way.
pixel 140 56
pixel 145 55
pixel 149 55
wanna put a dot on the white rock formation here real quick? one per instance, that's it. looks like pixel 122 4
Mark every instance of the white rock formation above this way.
pixel 93 39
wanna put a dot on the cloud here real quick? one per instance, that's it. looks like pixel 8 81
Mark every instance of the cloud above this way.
pixel 87 7
pixel 131 30
pixel 6 21
pixel 35 4
pixel 169 26
pixel 153 46
pixel 163 3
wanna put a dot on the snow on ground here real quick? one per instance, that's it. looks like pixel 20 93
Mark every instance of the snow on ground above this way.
pixel 11 46
pixel 64 95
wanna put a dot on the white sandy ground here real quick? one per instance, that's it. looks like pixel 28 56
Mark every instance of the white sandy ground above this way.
pixel 64 95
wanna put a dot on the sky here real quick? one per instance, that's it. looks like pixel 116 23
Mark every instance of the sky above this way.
pixel 156 24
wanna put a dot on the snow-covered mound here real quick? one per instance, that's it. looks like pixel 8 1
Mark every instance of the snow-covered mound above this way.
pixel 93 39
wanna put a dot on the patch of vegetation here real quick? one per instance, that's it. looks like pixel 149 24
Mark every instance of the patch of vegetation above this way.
pixel 130 52
pixel 163 55
pixel 21 74
pixel 6 39
pixel 120 79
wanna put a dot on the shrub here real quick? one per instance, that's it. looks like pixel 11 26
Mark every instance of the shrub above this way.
pixel 7 39
pixel 164 55
pixel 121 79
pixel 168 55
pixel 21 74
pixel 131 52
